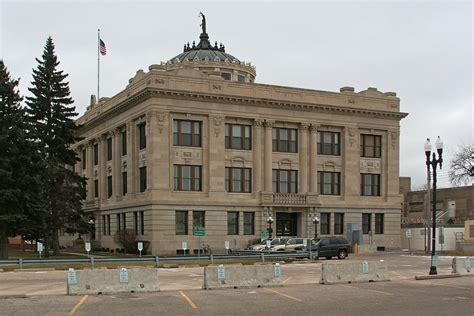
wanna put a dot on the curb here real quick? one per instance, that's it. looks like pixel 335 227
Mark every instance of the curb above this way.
pixel 441 276
pixel 34 270
pixel 13 296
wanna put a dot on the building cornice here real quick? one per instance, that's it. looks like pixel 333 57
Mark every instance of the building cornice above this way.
pixel 150 92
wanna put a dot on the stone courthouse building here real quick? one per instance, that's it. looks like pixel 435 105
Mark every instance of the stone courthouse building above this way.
pixel 195 142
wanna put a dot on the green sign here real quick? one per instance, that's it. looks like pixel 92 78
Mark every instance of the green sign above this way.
pixel 264 234
pixel 199 231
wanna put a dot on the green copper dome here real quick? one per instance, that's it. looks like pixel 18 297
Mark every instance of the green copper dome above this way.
pixel 204 50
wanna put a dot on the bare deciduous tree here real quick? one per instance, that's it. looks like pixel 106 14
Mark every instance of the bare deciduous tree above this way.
pixel 462 166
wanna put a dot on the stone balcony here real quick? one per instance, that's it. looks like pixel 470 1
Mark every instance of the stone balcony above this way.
pixel 290 199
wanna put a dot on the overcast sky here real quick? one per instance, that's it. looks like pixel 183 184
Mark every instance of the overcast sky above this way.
pixel 421 50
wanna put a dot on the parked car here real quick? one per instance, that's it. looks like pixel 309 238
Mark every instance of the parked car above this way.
pixel 263 245
pixel 331 246
pixel 291 244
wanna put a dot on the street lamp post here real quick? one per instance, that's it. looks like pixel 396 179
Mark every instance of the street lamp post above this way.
pixel 434 163
pixel 315 222
pixel 91 227
pixel 269 229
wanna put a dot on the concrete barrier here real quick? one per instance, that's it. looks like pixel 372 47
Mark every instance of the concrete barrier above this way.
pixel 367 249
pixel 109 281
pixel 245 276
pixel 349 272
pixel 463 265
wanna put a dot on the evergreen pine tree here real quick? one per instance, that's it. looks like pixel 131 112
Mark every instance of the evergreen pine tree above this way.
pixel 19 182
pixel 50 114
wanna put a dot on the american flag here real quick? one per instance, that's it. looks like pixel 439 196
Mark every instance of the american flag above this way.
pixel 103 50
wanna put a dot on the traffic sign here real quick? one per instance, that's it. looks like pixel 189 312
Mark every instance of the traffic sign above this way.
pixel 184 245
pixel 199 231
pixel 227 244
pixel 140 246
pixel 88 246
pixel 39 246
pixel 408 233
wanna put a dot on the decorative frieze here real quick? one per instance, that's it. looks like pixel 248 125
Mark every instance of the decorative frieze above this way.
pixel 351 133
pixel 187 156
pixel 217 123
pixel 370 165
pixel 162 117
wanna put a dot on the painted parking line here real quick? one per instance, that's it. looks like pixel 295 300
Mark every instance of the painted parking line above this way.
pixel 187 299
pixel 401 276
pixel 75 308
pixel 284 295
pixel 370 290
pixel 286 280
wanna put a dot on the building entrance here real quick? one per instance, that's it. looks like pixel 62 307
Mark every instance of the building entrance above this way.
pixel 286 224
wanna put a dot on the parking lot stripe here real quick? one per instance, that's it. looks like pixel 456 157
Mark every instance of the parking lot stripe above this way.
pixel 286 280
pixel 360 288
pixel 285 295
pixel 188 299
pixel 75 308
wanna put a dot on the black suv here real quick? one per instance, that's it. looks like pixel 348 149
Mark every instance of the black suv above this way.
pixel 330 247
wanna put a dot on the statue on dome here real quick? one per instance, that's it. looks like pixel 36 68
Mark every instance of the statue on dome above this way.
pixel 203 24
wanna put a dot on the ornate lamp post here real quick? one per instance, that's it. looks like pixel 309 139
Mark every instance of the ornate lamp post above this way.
pixel 434 163
pixel 269 229
pixel 91 227
pixel 316 222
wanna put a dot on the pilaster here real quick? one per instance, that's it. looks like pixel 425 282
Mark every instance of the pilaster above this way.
pixel 257 156
pixel 216 145
pixel 268 124
pixel 303 156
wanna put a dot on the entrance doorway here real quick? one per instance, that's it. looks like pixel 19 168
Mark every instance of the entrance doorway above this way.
pixel 286 224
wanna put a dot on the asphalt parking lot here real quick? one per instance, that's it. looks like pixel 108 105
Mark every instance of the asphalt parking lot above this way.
pixel 43 293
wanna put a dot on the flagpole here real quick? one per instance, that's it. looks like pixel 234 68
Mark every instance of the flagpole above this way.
pixel 98 65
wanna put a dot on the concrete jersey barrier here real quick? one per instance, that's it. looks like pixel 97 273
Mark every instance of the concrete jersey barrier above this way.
pixel 110 281
pixel 463 265
pixel 359 271
pixel 246 276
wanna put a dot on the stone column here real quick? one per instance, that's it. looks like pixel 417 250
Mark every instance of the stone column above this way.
pixel 162 167
pixel 351 162
pixel 103 167
pixel 151 159
pixel 117 162
pixel 216 153
pixel 303 155
pixel 133 158
pixel 257 156
pixel 390 174
pixel 313 159
pixel 268 155
pixel 90 170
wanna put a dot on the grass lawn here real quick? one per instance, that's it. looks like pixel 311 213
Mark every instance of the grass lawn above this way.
pixel 16 254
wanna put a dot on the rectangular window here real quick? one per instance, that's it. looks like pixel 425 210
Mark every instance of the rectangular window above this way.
pixel 238 180
pixel 104 226
pixel 379 223
pixel 249 223
pixel 108 224
pixel 109 187
pixel 141 136
pixel 285 181
pixel 142 179
pixel 124 143
pixel 181 222
pixel 187 178
pixel 199 219
pixel 124 183
pixel 366 223
pixel 96 188
pixel 285 140
pixel 232 223
pixel 416 206
pixel 187 133
pixel 329 143
pixel 226 75
pixel 96 154
pixel 84 161
pixel 135 222
pixel 329 183
pixel 370 184
pixel 325 223
pixel 109 149
pixel 370 146
pixel 238 136
pixel 142 223
pixel 241 78
pixel 124 221
pixel 338 223
pixel 119 224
